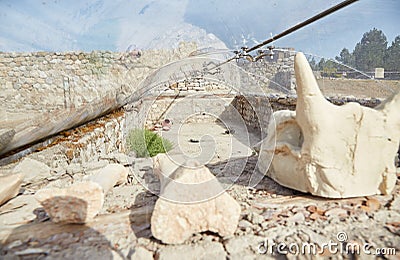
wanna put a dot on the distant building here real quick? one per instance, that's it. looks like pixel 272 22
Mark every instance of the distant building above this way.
pixel 379 73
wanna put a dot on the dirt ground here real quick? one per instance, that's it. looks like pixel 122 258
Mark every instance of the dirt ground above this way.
pixel 361 88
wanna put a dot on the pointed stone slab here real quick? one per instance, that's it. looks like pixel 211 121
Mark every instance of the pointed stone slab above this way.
pixel 174 221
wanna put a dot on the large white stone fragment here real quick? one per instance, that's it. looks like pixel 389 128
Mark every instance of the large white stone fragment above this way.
pixel 333 151
pixel 82 201
pixel 19 210
pixel 186 207
pixel 32 170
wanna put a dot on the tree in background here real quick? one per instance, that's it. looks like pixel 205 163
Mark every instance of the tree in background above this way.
pixel 345 57
pixel 328 68
pixel 312 62
pixel 393 56
pixel 370 53
pixel 321 64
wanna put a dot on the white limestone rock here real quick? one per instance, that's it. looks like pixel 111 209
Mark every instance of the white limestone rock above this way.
pixel 191 201
pixel 142 254
pixel 333 151
pixel 82 201
pixel 9 186
pixel 18 211
pixel 32 170
pixel 77 203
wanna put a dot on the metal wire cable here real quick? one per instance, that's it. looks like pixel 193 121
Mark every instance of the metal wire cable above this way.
pixel 245 51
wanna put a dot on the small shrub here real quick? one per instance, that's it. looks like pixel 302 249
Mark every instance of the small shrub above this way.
pixel 146 143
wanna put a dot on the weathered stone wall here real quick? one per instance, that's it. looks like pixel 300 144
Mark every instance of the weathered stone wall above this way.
pixel 44 81
pixel 255 112
pixel 104 137
pixel 32 84
pixel 253 107
pixel 193 106
pixel 177 106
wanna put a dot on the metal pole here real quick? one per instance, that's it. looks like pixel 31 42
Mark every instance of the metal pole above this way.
pixel 302 24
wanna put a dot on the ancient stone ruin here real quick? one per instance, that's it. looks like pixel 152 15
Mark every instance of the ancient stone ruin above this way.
pixel 70 187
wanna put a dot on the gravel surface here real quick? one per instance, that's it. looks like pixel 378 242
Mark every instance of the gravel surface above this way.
pixel 271 214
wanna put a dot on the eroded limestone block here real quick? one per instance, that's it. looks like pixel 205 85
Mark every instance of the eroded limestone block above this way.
pixel 333 151
pixel 186 206
pixel 32 170
pixel 82 201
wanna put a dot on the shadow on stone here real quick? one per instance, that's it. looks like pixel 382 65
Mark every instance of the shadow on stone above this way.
pixel 224 171
pixel 56 241
pixel 140 214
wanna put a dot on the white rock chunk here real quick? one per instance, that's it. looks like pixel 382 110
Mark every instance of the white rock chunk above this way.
pixel 186 206
pixel 9 186
pixel 32 170
pixel 142 254
pixel 333 151
pixel 18 211
pixel 82 201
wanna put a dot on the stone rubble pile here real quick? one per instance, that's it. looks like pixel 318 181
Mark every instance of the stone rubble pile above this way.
pixel 267 212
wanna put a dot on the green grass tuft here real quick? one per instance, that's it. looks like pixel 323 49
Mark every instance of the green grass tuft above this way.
pixel 146 143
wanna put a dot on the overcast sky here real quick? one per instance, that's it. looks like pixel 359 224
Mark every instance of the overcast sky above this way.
pixel 61 25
